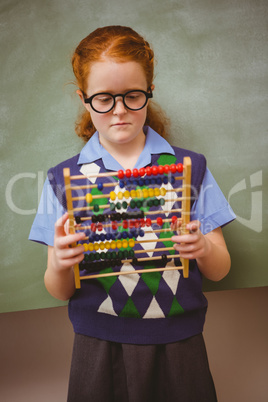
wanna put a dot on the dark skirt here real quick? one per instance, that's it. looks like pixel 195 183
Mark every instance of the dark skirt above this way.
pixel 104 371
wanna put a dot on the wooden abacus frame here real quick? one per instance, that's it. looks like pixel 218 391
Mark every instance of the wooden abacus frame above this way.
pixel 185 199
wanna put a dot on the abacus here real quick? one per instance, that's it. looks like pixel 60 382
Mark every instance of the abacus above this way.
pixel 111 235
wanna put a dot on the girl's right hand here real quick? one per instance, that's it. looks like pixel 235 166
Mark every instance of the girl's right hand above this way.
pixel 64 256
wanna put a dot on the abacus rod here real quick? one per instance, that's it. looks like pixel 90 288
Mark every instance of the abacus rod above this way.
pixel 136 271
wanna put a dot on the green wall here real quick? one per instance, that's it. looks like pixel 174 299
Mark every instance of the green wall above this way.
pixel 211 78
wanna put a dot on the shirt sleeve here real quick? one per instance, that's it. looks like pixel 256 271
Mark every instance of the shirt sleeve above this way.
pixel 49 211
pixel 211 208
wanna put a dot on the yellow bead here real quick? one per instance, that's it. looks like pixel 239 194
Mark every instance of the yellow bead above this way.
pixel 96 246
pixel 126 194
pixel 133 193
pixel 120 195
pixel 102 246
pixel 89 198
pixel 90 246
pixel 125 243
pixel 131 243
pixel 113 244
pixel 163 191
pixel 145 193
pixel 151 192
pixel 139 193
pixel 156 192
pixel 118 244
pixel 107 245
pixel 85 246
pixel 112 195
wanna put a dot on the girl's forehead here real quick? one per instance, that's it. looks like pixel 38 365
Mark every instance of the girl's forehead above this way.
pixel 112 73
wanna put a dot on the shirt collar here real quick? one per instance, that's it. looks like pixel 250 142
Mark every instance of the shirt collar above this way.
pixel 154 144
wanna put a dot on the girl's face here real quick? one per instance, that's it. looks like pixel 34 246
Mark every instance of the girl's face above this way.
pixel 120 125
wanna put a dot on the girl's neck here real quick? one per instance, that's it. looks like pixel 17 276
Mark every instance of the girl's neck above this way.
pixel 126 154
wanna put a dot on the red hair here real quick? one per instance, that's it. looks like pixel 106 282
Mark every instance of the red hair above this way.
pixel 121 44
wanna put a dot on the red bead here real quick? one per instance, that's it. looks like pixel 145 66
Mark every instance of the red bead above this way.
pixel 166 168
pixel 93 227
pixel 160 169
pixel 142 223
pixel 180 167
pixel 128 173
pixel 131 224
pixel 159 221
pixel 173 168
pixel 148 222
pixel 137 224
pixel 125 224
pixel 141 172
pixel 148 171
pixel 99 227
pixel 155 170
pixel 135 173
pixel 174 219
pixel 114 225
pixel 120 174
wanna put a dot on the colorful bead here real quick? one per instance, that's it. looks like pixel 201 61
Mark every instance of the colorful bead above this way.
pixel 173 168
pixel 85 247
pixel 89 198
pixel 102 246
pixel 179 167
pixel 155 170
pixel 135 173
pixel 90 246
pixel 93 227
pixel 128 173
pixel 120 174
pixel 96 246
pixel 131 243
pixel 160 169
pixel 120 195
pixel 112 195
pixel 100 186
pixel 159 221
pixel 156 192
pixel 163 191
pixel 141 172
pixel 126 194
pixel 166 168
pixel 148 171
pixel 96 208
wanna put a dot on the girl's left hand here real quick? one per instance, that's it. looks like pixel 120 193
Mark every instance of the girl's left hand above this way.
pixel 193 245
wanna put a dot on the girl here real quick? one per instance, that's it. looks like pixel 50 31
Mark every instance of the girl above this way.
pixel 138 338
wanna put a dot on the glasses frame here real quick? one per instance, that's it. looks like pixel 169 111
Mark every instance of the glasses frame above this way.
pixel 148 94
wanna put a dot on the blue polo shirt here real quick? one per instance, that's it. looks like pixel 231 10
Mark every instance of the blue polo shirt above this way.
pixel 211 208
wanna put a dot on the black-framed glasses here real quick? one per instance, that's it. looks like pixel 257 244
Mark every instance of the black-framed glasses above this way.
pixel 104 102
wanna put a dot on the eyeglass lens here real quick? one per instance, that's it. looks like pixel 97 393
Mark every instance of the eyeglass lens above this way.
pixel 133 100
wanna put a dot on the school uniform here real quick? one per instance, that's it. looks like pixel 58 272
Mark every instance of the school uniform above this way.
pixel 139 336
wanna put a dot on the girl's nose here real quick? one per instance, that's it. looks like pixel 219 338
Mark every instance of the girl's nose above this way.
pixel 119 107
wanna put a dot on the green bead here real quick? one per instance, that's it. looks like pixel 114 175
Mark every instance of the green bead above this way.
pixel 96 208
pixel 132 204
pixel 162 201
pixel 112 206
pixel 118 205
pixel 124 204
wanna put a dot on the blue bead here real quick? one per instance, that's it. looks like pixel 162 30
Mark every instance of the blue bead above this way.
pixel 141 233
pixel 121 184
pixel 125 235
pixel 159 180
pixel 108 236
pixel 141 182
pixel 100 186
pixel 102 237
pixel 165 180
pixel 97 237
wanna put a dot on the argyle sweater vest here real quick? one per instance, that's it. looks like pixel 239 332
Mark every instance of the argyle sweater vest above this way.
pixel 147 308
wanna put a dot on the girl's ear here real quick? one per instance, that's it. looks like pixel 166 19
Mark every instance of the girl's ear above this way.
pixel 152 87
pixel 80 94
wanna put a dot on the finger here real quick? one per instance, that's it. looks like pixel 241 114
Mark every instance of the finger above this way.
pixel 59 225
pixel 64 241
pixel 193 226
